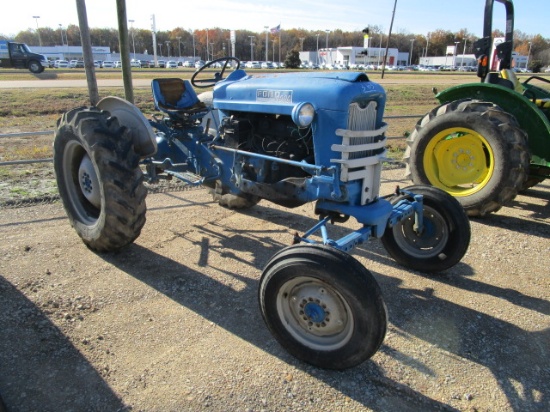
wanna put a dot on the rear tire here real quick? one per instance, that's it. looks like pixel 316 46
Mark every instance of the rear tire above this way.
pixel 99 180
pixel 442 243
pixel 322 306
pixel 472 150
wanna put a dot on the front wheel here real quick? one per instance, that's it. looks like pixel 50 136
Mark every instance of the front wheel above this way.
pixel 473 150
pixel 99 180
pixel 35 67
pixel 323 306
pixel 441 243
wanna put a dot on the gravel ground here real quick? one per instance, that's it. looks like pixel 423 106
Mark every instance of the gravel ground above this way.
pixel 172 323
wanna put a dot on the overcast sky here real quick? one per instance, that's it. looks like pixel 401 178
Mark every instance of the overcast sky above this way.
pixel 412 16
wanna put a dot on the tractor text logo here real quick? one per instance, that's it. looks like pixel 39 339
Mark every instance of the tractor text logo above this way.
pixel 274 96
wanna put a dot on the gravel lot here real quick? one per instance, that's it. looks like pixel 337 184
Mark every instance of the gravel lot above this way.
pixel 172 323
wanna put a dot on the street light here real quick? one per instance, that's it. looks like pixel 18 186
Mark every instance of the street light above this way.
pixel 133 37
pixel 179 46
pixel 317 62
pixel 251 44
pixel 266 42
pixel 207 41
pixel 194 57
pixel 464 52
pixel 61 32
pixel 455 53
pixel 427 43
pixel 37 30
pixel 411 53
pixel 528 56
pixel 326 47
pixel 167 42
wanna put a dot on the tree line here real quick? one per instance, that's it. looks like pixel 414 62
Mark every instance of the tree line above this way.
pixel 209 44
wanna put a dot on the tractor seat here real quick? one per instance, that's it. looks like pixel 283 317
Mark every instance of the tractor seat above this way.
pixel 543 103
pixel 177 97
pixel 510 75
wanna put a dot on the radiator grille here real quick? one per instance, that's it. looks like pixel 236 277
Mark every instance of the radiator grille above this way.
pixel 361 149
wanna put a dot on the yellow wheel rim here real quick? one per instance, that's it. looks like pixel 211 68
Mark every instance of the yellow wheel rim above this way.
pixel 459 161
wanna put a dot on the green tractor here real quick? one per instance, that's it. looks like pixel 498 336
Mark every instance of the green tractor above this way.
pixel 486 141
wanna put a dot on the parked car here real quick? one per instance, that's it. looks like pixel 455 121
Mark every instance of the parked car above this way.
pixel 79 64
pixel 161 64
pixel 188 63
pixel 135 63
pixel 61 64
pixel 199 64
pixel 108 64
pixel 72 64
pixel 117 64
pixel 171 64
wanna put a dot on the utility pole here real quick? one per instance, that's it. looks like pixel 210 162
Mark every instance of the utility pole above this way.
pixel 388 42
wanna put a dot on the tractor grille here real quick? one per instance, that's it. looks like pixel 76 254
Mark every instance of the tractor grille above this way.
pixel 361 150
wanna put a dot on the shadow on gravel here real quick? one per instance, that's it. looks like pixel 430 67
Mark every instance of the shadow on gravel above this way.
pixel 518 359
pixel 53 373
pixel 540 229
pixel 211 299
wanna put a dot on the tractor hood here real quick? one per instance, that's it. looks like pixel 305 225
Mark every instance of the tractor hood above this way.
pixel 279 93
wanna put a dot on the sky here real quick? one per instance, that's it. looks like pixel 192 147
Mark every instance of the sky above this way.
pixel 411 16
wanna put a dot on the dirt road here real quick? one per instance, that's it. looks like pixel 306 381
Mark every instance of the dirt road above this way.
pixel 172 322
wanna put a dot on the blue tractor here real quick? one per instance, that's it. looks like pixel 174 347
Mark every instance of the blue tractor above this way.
pixel 286 138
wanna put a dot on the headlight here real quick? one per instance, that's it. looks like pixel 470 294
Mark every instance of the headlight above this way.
pixel 302 114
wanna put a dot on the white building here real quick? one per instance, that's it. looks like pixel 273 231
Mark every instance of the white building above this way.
pixel 468 60
pixel 349 56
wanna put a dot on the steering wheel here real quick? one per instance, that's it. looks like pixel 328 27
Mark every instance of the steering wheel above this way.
pixel 218 76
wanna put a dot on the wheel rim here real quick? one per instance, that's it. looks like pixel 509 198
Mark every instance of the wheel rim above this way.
pixel 430 242
pixel 82 183
pixel 459 161
pixel 315 314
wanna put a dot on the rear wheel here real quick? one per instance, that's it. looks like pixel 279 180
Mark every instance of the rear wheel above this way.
pixel 323 306
pixel 472 150
pixel 99 179
pixel 444 239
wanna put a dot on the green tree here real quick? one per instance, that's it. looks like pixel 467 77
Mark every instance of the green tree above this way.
pixel 292 60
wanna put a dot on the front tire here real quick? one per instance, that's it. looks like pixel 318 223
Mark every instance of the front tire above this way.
pixel 35 67
pixel 444 239
pixel 472 150
pixel 323 306
pixel 99 180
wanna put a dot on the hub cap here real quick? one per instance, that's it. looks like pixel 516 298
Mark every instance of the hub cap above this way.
pixel 459 161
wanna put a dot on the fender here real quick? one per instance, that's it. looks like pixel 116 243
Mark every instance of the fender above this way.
pixel 143 136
